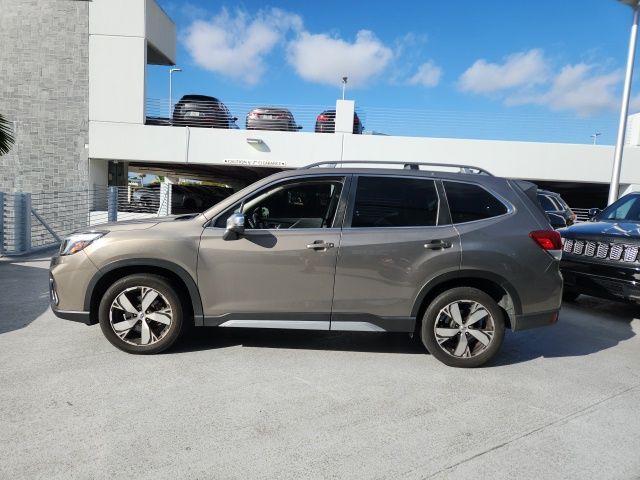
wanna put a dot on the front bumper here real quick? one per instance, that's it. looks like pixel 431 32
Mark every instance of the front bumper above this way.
pixel 612 281
pixel 81 317
pixel 69 277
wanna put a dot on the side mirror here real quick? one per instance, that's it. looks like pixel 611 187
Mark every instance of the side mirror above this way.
pixel 593 212
pixel 556 221
pixel 235 227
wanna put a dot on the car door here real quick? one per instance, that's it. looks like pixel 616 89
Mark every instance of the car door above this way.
pixel 397 236
pixel 280 272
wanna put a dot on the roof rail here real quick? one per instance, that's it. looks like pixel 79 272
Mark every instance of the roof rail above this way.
pixel 406 165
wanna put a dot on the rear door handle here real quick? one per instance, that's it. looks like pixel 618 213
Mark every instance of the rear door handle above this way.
pixel 437 245
pixel 320 245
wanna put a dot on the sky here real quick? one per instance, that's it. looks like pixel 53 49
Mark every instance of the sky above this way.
pixel 549 70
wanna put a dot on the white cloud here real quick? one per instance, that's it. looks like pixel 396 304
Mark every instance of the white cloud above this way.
pixel 527 78
pixel 518 70
pixel 324 59
pixel 428 75
pixel 235 45
pixel 576 89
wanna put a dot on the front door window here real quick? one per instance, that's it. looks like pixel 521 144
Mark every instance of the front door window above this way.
pixel 291 205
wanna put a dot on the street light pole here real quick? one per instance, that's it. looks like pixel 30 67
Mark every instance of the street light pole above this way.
pixel 344 86
pixel 171 72
pixel 624 110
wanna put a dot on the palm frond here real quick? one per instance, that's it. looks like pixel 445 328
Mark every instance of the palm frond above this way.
pixel 6 135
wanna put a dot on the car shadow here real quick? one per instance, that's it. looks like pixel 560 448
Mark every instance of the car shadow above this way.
pixel 223 337
pixel 24 291
pixel 586 326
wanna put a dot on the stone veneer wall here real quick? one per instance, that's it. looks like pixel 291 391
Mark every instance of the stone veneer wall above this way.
pixel 44 89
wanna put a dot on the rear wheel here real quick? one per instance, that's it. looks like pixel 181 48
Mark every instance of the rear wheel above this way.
pixel 463 327
pixel 141 314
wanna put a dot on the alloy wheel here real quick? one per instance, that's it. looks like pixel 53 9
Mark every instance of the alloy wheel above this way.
pixel 464 329
pixel 140 316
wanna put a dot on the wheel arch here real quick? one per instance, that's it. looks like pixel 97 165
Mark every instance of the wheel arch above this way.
pixel 492 284
pixel 179 277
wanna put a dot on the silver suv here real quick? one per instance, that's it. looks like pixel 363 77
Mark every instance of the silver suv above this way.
pixel 454 258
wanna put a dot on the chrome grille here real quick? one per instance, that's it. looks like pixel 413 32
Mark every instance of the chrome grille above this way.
pixel 611 251
pixel 578 247
pixel 616 252
pixel 568 245
pixel 630 253
pixel 603 250
pixel 590 249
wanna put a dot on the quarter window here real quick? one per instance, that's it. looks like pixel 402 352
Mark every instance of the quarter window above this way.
pixel 469 202
pixel 395 202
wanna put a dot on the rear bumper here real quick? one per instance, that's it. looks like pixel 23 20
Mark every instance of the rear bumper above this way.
pixel 525 322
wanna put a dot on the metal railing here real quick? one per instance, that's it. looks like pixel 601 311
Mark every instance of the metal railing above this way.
pixel 538 127
pixel 234 115
pixel 530 126
pixel 29 221
pixel 582 214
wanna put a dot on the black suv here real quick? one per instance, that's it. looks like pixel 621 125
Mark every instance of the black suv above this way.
pixel 202 111
pixel 600 257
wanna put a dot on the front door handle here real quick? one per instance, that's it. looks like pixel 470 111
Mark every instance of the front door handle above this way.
pixel 437 245
pixel 320 245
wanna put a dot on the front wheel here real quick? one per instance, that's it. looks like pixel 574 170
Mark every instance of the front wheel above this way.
pixel 141 314
pixel 463 327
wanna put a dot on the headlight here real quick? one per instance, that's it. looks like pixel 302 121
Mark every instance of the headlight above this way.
pixel 79 241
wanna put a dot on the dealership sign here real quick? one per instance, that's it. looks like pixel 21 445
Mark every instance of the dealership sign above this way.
pixel 254 163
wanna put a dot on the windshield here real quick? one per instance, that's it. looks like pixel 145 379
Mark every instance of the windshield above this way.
pixel 627 209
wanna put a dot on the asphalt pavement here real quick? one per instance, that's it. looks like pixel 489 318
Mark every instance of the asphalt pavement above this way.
pixel 558 402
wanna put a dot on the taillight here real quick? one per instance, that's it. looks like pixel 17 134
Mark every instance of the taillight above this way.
pixel 322 118
pixel 548 240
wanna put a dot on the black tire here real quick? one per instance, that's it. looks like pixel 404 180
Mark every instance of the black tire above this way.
pixel 570 295
pixel 464 295
pixel 168 295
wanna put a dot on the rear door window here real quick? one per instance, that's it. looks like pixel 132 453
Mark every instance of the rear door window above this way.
pixel 395 202
pixel 469 202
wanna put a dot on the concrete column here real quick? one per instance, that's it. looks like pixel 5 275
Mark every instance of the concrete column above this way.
pixel 112 204
pixel 345 110
pixel 165 198
pixel 22 206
